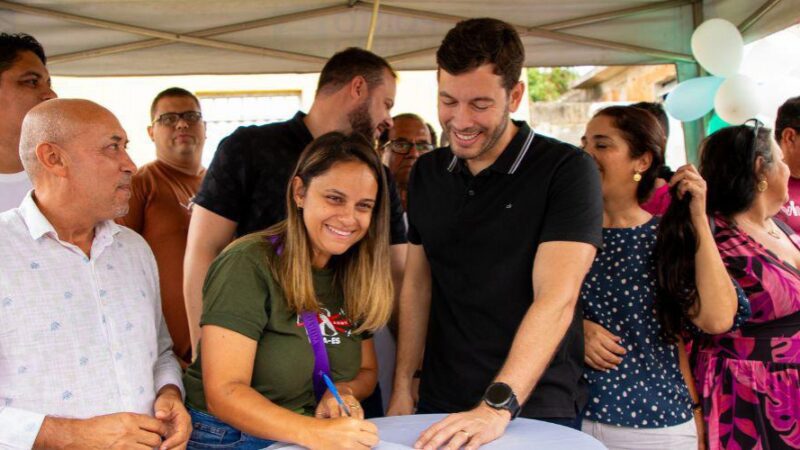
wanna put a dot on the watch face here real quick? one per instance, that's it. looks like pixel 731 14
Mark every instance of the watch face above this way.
pixel 498 394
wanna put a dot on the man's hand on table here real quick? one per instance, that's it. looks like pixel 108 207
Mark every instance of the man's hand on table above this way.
pixel 469 429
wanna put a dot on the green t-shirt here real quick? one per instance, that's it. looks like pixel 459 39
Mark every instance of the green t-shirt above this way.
pixel 240 295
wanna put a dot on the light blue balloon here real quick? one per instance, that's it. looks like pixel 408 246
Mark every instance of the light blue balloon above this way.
pixel 693 98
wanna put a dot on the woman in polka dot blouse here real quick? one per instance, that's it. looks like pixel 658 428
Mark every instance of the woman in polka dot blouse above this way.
pixel 641 394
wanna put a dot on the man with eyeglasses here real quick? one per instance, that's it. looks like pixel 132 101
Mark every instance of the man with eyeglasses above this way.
pixel 160 205
pixel 787 134
pixel 409 138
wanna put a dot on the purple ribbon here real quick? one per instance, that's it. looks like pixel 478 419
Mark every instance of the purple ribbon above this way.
pixel 321 364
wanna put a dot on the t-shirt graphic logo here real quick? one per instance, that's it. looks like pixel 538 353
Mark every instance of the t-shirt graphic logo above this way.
pixel 331 325
pixel 790 209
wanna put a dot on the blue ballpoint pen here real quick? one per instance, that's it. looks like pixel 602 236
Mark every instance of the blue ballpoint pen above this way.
pixel 332 388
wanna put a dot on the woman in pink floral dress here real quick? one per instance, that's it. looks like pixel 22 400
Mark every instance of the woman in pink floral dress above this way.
pixel 748 378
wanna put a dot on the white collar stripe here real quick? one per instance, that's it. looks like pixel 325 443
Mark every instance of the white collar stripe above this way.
pixel 522 152
pixel 452 164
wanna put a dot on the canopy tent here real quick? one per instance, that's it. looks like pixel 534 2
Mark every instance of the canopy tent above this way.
pixel 148 37
pixel 156 37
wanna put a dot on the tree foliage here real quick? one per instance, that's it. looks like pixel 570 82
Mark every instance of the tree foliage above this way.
pixel 547 84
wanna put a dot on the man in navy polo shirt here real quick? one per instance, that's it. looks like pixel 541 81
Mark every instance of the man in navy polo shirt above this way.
pixel 503 227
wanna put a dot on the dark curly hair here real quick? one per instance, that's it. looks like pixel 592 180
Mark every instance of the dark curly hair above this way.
pixel 475 42
pixel 728 164
pixel 788 117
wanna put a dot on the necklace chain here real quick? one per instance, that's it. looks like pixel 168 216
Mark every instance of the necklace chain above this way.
pixel 771 230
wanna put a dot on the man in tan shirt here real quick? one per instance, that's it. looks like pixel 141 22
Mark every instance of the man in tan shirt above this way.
pixel 160 207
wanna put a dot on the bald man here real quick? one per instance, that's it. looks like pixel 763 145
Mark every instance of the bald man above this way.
pixel 85 357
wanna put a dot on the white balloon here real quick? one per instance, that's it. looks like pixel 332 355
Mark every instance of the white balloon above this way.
pixel 718 47
pixel 737 100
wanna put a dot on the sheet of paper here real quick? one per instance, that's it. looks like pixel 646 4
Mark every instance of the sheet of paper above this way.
pixel 383 445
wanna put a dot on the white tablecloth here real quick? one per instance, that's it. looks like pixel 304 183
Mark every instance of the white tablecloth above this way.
pixel 522 434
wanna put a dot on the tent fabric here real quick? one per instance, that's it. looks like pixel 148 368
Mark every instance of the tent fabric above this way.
pixel 407 32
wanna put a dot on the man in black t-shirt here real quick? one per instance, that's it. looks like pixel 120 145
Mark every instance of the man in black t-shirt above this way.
pixel 244 189
pixel 503 227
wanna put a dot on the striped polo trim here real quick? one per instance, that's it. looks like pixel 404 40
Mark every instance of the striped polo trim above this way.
pixel 522 152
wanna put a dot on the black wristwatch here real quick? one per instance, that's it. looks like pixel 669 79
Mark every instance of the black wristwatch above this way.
pixel 500 396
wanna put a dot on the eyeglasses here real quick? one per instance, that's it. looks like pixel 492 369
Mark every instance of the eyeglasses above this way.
pixel 170 119
pixel 404 147
pixel 757 124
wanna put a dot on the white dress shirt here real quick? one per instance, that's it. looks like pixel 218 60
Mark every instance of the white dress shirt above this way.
pixel 79 336
pixel 13 187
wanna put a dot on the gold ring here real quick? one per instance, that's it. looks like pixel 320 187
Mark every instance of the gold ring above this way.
pixel 465 432
pixel 355 406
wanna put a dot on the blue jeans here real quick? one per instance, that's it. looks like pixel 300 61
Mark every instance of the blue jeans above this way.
pixel 210 433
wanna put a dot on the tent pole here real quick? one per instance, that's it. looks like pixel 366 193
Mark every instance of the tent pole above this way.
pixel 373 23
pixel 538 31
pixel 694 131
pixel 233 28
pixel 174 37
pixel 611 15
pixel 757 14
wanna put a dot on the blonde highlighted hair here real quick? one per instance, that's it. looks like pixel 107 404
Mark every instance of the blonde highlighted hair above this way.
pixel 363 271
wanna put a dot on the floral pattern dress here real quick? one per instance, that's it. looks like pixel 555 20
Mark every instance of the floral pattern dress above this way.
pixel 748 378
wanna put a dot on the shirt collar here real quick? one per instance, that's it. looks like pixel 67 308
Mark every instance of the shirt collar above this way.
pixel 39 226
pixel 299 125
pixel 508 162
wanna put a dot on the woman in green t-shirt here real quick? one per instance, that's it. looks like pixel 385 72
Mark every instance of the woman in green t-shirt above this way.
pixel 252 381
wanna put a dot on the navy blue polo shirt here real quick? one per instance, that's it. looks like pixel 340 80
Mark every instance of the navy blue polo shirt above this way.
pixel 480 234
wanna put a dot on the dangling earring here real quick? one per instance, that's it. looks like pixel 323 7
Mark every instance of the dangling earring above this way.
pixel 762 185
pixel 637 177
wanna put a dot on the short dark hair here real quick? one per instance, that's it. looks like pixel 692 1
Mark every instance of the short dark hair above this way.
pixel 350 63
pixel 171 92
pixel 788 117
pixel 475 42
pixel 12 44
pixel 642 133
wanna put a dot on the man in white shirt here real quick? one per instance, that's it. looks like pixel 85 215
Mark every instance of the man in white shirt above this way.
pixel 24 83
pixel 85 357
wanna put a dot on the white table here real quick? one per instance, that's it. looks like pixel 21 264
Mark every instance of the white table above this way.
pixel 522 434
